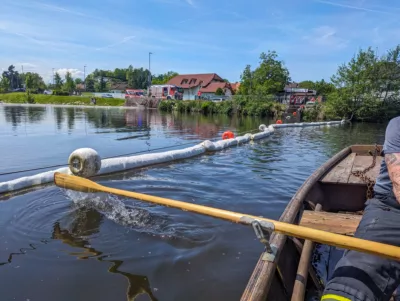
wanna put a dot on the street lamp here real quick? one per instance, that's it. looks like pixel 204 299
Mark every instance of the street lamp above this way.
pixel 150 53
pixel 84 78
pixel 53 78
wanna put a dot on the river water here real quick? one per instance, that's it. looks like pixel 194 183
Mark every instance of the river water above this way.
pixel 63 245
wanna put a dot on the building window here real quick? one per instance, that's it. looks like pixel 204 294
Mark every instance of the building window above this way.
pixel 201 83
pixel 192 81
pixel 184 81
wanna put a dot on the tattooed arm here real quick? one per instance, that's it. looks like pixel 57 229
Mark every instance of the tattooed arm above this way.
pixel 393 165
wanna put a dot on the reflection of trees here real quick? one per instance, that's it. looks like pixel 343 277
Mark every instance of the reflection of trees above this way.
pixel 59 116
pixel 15 114
pixel 121 120
pixel 35 114
pixel 87 222
pixel 70 118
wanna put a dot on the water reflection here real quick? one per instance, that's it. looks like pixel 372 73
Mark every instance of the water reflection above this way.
pixel 59 116
pixel 87 222
pixel 18 114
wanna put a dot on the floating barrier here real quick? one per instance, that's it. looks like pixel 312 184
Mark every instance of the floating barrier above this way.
pixel 86 162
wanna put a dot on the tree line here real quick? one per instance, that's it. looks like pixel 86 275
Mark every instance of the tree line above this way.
pixel 367 87
pixel 97 81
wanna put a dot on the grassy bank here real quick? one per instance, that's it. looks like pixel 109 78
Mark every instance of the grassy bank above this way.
pixel 59 100
pixel 240 106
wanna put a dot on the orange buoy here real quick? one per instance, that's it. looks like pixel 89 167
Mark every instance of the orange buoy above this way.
pixel 294 113
pixel 279 121
pixel 228 135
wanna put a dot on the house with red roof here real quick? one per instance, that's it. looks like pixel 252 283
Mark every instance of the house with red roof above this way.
pixel 200 85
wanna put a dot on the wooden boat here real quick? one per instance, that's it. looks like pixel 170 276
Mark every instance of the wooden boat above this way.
pixel 331 199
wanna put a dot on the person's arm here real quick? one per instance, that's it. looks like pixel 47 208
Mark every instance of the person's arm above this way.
pixel 393 165
pixel 392 154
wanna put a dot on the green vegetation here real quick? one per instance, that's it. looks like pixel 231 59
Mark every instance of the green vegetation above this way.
pixel 240 105
pixel 59 100
pixel 270 77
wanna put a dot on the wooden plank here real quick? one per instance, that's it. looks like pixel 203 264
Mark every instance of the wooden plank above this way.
pixel 340 223
pixel 364 149
pixel 341 172
pixel 362 162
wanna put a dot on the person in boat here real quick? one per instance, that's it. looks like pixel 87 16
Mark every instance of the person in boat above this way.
pixel 360 276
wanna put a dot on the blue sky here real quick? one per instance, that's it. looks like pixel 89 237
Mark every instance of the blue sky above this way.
pixel 312 37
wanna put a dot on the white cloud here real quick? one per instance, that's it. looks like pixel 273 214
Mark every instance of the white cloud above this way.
pixel 345 5
pixel 74 72
pixel 326 36
pixel 190 2
pixel 124 40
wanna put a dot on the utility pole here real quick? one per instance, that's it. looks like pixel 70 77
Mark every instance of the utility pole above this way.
pixel 53 78
pixel 84 78
pixel 150 53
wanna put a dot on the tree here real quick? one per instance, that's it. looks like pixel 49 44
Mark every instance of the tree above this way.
pixel 29 82
pixel 35 81
pixel 269 77
pixel 163 78
pixel 13 77
pixel 78 81
pixel 219 92
pixel 4 84
pixel 58 82
pixel 69 83
pixel 307 84
pixel 368 86
pixel 100 85
pixel 89 83
pixel 246 84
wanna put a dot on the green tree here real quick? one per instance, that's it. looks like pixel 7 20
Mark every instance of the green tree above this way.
pixel 69 83
pixel 219 92
pixel 89 82
pixel 246 79
pixel 58 82
pixel 100 85
pixel 4 84
pixel 367 86
pixel 269 77
pixel 29 82
pixel 163 78
pixel 307 84
pixel 78 81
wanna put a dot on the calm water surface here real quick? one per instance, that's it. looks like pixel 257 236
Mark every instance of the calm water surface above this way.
pixel 63 245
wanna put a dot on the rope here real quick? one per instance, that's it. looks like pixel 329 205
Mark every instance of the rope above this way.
pixel 123 155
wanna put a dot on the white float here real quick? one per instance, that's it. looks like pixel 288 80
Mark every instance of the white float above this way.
pixel 86 162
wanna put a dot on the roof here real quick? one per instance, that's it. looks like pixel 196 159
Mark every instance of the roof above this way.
pixel 119 86
pixel 193 80
pixel 80 86
pixel 235 86
pixel 212 87
pixel 292 85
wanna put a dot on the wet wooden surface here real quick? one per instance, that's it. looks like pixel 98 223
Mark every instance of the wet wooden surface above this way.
pixel 340 223
pixel 342 173
pixel 362 162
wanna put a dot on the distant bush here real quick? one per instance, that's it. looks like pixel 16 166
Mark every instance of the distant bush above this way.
pixel 60 93
pixel 239 105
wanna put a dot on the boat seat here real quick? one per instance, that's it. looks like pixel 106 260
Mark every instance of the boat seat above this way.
pixel 342 172
pixel 339 223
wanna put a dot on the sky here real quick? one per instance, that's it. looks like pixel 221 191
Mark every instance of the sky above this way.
pixel 312 37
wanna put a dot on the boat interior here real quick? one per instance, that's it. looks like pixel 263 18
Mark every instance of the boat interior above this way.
pixel 332 200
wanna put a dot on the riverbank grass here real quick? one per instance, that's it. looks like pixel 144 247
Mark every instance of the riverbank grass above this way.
pixel 59 100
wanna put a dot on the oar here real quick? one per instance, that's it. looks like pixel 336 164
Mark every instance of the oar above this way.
pixel 328 238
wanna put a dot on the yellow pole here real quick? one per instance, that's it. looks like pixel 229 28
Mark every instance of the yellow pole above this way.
pixel 328 238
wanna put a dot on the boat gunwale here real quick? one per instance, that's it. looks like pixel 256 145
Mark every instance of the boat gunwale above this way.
pixel 261 278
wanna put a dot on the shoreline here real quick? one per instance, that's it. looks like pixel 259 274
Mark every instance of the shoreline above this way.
pixel 68 106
